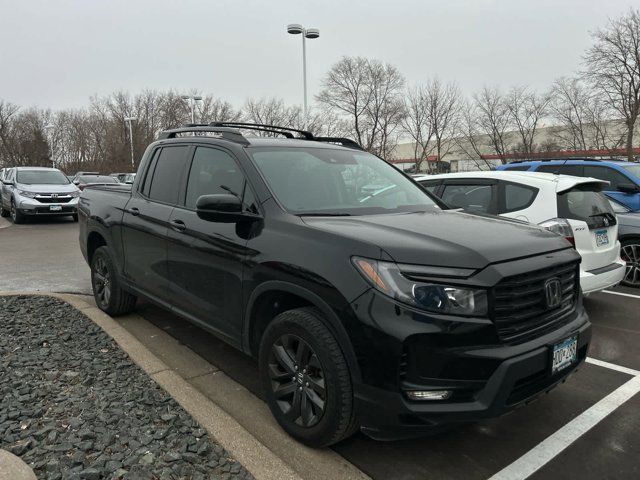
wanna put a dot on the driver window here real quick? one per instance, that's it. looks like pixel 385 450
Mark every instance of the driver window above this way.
pixel 211 171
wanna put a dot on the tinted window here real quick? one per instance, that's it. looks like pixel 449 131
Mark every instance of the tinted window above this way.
pixel 148 175
pixel 430 186
pixel 585 203
pixel 165 183
pixel 469 197
pixel 520 168
pixel 337 181
pixel 211 171
pixel 575 170
pixel 517 197
pixel 606 173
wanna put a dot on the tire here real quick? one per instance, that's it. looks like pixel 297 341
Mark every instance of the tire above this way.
pixel 4 213
pixel 75 217
pixel 630 253
pixel 320 384
pixel 16 216
pixel 109 296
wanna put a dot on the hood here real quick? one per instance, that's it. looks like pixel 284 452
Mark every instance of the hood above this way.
pixel 45 188
pixel 444 238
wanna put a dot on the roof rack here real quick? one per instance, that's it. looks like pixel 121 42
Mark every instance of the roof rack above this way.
pixel 229 131
pixel 556 159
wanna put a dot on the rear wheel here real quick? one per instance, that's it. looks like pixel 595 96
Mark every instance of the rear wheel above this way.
pixel 630 253
pixel 108 294
pixel 306 379
pixel 16 216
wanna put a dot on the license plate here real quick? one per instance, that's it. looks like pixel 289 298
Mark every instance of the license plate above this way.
pixel 564 354
pixel 55 208
pixel 602 238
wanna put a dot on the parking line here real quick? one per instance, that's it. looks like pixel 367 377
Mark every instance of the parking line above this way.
pixel 621 294
pixel 613 366
pixel 553 445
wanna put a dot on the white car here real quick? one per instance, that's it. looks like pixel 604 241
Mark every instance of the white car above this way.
pixel 31 191
pixel 570 206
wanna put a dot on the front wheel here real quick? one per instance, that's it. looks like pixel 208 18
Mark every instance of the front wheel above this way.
pixel 630 253
pixel 16 216
pixel 306 379
pixel 108 294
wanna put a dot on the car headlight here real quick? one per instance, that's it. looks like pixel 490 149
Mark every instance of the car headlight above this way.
pixel 387 278
pixel 24 193
pixel 75 194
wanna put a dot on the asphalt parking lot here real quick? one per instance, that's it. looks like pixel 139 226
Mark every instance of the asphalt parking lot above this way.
pixel 588 428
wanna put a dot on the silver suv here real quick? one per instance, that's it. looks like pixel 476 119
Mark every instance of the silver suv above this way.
pixel 37 191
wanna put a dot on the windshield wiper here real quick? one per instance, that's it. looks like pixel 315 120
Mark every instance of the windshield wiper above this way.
pixel 320 214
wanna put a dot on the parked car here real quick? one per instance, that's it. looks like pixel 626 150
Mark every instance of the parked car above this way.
pixel 124 177
pixel 37 191
pixel 83 181
pixel 629 234
pixel 377 311
pixel 573 207
pixel 623 177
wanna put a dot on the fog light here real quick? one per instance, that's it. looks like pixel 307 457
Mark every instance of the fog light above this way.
pixel 428 394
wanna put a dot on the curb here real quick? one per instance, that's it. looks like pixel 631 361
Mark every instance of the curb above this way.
pixel 261 462
pixel 12 468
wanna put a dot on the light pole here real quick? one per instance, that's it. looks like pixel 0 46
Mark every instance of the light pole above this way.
pixel 191 100
pixel 130 121
pixel 297 29
pixel 49 127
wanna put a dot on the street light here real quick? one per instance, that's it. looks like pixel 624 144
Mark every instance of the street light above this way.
pixel 49 127
pixel 191 100
pixel 310 33
pixel 130 121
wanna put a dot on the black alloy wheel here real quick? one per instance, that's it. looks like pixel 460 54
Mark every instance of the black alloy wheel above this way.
pixel 630 253
pixel 297 380
pixel 101 278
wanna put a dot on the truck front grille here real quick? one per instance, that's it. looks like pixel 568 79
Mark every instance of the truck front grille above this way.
pixel 519 306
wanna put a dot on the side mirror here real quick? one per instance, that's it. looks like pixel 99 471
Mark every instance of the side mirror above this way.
pixel 222 208
pixel 628 188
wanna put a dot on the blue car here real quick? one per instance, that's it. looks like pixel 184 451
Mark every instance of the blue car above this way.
pixel 623 177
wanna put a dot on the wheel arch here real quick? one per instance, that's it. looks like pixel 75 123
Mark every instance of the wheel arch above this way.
pixel 273 297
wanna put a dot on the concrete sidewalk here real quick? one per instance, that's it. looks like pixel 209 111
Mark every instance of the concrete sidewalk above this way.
pixel 237 419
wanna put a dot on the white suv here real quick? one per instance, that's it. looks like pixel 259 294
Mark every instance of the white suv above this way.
pixel 570 206
pixel 28 191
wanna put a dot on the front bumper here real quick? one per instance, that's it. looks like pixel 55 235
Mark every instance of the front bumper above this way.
pixel 29 206
pixel 523 372
pixel 602 278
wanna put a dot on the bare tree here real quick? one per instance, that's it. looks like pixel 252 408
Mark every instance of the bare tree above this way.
pixel 527 108
pixel 470 139
pixel 613 65
pixel 7 148
pixel 494 119
pixel 417 123
pixel 272 111
pixel 445 103
pixel 368 94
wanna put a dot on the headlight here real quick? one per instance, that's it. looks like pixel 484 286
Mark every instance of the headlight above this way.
pixel 387 278
pixel 74 194
pixel 24 193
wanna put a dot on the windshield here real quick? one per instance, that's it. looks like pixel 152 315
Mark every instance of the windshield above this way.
pixel 320 181
pixel 41 177
pixel 633 169
pixel 618 207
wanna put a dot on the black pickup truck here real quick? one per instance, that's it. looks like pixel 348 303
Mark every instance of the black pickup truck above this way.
pixel 367 303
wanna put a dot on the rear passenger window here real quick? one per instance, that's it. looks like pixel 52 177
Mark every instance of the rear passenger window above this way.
pixel 165 183
pixel 213 171
pixel 470 197
pixel 606 173
pixel 517 197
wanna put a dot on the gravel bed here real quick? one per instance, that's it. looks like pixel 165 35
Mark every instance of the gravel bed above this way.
pixel 74 406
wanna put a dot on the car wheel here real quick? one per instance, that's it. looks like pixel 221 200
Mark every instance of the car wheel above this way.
pixel 16 216
pixel 4 212
pixel 306 378
pixel 108 294
pixel 630 253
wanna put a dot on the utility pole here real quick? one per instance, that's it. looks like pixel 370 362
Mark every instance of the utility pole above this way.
pixel 130 121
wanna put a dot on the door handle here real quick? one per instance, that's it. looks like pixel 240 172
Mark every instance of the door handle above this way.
pixel 133 211
pixel 178 225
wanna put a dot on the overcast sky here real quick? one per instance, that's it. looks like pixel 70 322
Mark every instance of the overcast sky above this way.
pixel 57 53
